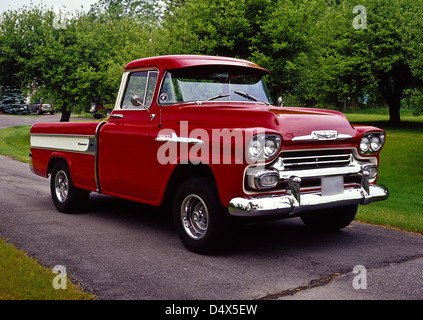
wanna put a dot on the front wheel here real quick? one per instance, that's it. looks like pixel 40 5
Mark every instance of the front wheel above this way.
pixel 331 219
pixel 66 197
pixel 198 215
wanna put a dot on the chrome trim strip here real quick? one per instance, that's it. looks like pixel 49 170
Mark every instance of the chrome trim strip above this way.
pixel 64 150
pixel 96 173
pixel 175 138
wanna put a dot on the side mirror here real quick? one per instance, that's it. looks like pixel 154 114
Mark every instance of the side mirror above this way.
pixel 280 101
pixel 137 101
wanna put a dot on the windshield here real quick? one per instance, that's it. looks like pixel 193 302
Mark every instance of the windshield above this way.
pixel 216 83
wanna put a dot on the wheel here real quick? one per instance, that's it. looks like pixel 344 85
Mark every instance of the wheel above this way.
pixel 66 197
pixel 331 219
pixel 199 216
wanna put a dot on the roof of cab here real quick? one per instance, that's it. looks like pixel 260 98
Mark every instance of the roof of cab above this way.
pixel 181 61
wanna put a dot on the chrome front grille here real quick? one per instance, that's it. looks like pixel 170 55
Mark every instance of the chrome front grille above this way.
pixel 303 160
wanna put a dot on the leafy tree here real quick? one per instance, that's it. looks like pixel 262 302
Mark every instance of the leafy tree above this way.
pixel 283 37
pixel 216 27
pixel 72 65
pixel 116 9
pixel 19 32
pixel 385 52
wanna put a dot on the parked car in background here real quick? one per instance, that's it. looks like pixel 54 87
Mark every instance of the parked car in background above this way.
pixel 39 107
pixel 99 109
pixel 14 105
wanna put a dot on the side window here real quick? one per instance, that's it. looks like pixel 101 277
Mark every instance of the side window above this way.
pixel 167 92
pixel 142 83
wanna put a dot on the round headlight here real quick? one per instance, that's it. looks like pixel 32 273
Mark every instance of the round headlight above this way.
pixel 372 142
pixel 364 145
pixel 254 148
pixel 263 147
pixel 375 143
pixel 271 146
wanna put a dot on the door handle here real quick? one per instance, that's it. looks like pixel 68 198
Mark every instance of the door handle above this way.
pixel 116 115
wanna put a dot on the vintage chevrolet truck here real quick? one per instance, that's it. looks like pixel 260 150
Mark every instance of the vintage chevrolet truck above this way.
pixel 200 133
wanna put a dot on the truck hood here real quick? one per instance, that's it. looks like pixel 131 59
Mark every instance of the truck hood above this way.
pixel 288 121
pixel 302 122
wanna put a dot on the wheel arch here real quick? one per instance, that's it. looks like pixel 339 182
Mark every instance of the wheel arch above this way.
pixel 183 172
pixel 55 159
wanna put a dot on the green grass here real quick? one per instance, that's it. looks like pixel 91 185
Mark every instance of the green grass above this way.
pixel 14 142
pixel 23 278
pixel 401 170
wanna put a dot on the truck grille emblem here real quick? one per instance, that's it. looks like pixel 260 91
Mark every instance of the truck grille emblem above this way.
pixel 325 135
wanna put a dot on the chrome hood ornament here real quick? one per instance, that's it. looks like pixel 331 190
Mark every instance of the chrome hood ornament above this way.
pixel 323 135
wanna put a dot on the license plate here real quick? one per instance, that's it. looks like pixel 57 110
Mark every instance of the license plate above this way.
pixel 332 185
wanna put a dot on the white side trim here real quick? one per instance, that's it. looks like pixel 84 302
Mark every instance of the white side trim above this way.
pixel 85 144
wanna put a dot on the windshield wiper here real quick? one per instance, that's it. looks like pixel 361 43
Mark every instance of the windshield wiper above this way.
pixel 249 96
pixel 218 96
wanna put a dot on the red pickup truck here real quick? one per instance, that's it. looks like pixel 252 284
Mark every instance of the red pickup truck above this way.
pixel 200 133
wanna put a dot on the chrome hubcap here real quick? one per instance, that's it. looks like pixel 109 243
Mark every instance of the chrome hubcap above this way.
pixel 195 216
pixel 62 186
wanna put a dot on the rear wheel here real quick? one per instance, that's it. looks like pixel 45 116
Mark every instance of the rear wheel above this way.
pixel 198 215
pixel 66 197
pixel 331 219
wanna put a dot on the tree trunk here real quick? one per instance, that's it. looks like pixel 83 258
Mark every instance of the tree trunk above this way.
pixel 355 103
pixel 65 114
pixel 392 85
pixel 394 111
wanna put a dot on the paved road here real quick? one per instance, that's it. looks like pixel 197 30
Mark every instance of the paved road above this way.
pixel 124 250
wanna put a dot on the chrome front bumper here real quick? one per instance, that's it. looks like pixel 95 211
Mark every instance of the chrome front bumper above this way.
pixel 292 202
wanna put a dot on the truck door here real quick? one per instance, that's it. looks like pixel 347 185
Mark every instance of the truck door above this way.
pixel 124 140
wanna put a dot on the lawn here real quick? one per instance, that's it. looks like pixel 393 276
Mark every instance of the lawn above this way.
pixel 401 171
pixel 23 278
pixel 14 142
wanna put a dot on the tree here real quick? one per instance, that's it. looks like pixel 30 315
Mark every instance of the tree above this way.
pixel 385 51
pixel 224 27
pixel 116 9
pixel 19 32
pixel 283 37
pixel 72 65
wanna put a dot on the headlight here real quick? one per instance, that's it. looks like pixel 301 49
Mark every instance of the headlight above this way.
pixel 263 146
pixel 372 142
pixel 255 148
